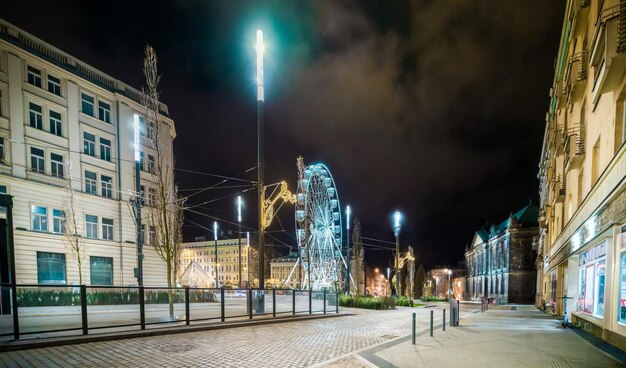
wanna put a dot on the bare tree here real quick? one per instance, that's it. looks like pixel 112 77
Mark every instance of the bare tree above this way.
pixel 359 256
pixel 72 225
pixel 165 212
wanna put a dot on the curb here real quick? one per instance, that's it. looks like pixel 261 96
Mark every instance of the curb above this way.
pixel 84 339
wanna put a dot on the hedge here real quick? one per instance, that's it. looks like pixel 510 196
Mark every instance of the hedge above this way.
pixel 381 303
pixel 52 298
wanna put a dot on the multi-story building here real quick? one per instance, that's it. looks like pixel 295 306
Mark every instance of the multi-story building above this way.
pixel 441 278
pixel 582 170
pixel 501 261
pixel 64 124
pixel 203 254
pixel 283 273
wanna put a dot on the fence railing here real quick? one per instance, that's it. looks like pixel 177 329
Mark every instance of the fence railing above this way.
pixel 53 310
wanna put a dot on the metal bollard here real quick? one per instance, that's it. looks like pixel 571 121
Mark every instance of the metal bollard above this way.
pixel 413 339
pixel 431 323
pixel 444 319
pixel 458 313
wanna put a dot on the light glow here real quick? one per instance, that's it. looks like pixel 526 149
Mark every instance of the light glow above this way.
pixel 260 49
pixel 215 230
pixel 348 212
pixel 247 239
pixel 397 217
pixel 239 208
pixel 136 137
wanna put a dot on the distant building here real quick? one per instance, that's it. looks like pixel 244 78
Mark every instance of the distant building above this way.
pixel 283 273
pixel 440 280
pixel 501 261
pixel 582 248
pixel 202 254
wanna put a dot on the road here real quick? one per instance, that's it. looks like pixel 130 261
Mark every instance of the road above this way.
pixel 35 320
pixel 292 344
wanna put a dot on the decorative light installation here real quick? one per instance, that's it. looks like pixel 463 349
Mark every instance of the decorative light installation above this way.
pixel 318 226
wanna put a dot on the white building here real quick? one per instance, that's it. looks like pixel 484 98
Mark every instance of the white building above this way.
pixel 56 112
pixel 582 245
pixel 282 270
pixel 203 254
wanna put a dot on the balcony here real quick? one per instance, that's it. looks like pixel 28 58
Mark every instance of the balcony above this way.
pixel 608 52
pixel 558 187
pixel 574 148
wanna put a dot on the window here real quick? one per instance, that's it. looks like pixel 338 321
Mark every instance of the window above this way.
pixel 104 111
pixel 91 182
pixel 151 164
pixel 141 161
pixel 58 221
pixel 591 280
pixel 142 190
pixel 2 150
pixel 40 218
pixel 141 126
pixel 153 238
pixel 54 85
pixel 86 104
pixel 37 160
pixel 107 229
pixel 101 269
pixel 106 186
pixel 151 197
pixel 35 115
pixel 150 130
pixel 1 103
pixel 89 144
pixel 91 226
pixel 56 163
pixel 34 76
pixel 105 149
pixel 3 189
pixel 621 314
pixel 56 126
pixel 50 268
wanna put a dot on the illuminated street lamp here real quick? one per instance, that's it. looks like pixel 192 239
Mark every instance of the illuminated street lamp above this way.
pixel 397 217
pixel 216 265
pixel 239 202
pixel 138 201
pixel 260 49
pixel 449 286
pixel 437 286
pixel 248 253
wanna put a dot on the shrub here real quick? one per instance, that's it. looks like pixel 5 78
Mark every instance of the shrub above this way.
pixel 71 296
pixel 433 299
pixel 364 302
pixel 404 301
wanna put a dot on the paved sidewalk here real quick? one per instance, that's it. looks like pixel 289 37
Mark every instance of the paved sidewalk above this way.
pixel 523 337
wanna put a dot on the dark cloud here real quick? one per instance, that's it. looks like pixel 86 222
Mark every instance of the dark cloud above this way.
pixel 432 107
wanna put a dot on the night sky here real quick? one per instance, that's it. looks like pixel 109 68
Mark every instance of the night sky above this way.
pixel 432 107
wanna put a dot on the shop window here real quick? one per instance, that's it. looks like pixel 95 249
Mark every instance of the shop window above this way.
pixel 621 315
pixel 50 268
pixel 591 280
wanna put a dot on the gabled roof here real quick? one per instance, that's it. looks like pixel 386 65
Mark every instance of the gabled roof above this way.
pixel 528 215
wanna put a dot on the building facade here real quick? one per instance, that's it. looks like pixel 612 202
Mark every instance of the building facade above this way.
pixel 283 274
pixel 202 254
pixel 64 124
pixel 582 249
pixel 501 262
pixel 441 280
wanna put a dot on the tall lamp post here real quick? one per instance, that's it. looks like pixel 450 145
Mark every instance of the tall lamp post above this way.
pixel 248 257
pixel 239 236
pixel 138 202
pixel 388 280
pixel 217 284
pixel 437 286
pixel 397 217
pixel 260 153
pixel 348 255
pixel 449 286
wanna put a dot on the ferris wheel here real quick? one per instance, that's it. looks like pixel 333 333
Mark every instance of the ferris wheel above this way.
pixel 318 227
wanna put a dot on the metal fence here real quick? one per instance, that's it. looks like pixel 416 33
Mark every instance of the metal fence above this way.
pixel 53 310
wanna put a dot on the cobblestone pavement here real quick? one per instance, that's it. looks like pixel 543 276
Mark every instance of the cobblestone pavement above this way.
pixel 291 344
